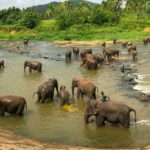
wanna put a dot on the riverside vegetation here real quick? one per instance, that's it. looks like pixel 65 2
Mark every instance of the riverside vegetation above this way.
pixel 78 20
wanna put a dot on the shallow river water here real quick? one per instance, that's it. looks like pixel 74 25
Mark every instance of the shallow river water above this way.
pixel 49 122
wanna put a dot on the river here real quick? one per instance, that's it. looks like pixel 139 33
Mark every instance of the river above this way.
pixel 49 122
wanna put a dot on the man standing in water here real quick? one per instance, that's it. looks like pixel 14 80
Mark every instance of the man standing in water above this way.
pixel 122 68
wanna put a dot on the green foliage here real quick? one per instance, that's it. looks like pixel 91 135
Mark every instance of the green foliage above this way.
pixel 29 19
pixel 10 15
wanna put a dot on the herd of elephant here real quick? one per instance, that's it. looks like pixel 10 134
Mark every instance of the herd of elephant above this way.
pixel 113 112
pixel 92 60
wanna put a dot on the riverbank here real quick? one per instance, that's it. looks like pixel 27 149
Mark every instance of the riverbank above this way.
pixel 91 37
pixel 11 141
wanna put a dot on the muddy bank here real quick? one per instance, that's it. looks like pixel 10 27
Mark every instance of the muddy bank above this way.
pixel 11 141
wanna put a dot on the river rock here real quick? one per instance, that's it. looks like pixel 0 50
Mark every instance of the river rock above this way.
pixel 144 97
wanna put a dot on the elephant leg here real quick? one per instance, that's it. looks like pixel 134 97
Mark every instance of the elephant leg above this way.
pixel 2 112
pixel 124 120
pixel 99 120
pixel 20 110
pixel 78 93
pixel 86 119
pixel 30 69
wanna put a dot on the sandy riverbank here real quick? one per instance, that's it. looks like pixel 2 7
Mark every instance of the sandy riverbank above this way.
pixel 11 141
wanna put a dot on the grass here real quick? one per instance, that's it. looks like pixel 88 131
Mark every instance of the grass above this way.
pixel 127 29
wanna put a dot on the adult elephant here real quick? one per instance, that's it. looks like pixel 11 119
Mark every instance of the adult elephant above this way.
pixel 33 65
pixel 68 56
pixel 1 63
pixel 12 105
pixel 107 52
pixel 115 53
pixel 85 51
pixel 131 48
pixel 76 51
pixel 91 63
pixel 113 112
pixel 146 40
pixel 99 58
pixel 26 41
pixel 84 87
pixel 46 90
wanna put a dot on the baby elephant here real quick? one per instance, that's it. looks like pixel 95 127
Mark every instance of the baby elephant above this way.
pixel 35 65
pixel 1 63
pixel 64 95
pixel 12 105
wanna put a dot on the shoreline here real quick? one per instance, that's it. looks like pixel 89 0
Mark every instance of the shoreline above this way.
pixel 12 141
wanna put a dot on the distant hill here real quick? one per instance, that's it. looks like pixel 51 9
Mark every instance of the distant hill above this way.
pixel 43 8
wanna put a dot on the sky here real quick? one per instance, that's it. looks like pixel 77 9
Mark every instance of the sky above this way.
pixel 25 3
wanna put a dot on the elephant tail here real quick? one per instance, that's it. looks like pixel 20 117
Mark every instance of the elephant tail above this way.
pixel 34 94
pixel 132 109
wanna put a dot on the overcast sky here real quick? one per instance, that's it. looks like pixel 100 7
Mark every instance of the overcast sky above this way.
pixel 25 3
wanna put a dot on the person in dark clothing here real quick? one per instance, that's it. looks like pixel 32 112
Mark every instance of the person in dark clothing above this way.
pixel 122 68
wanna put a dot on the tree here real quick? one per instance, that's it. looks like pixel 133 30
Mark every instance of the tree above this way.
pixel 29 19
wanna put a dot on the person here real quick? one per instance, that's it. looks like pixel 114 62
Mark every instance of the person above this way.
pixel 102 100
pixel 104 97
pixel 122 69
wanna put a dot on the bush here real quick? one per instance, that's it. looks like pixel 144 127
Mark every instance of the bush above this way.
pixel 29 19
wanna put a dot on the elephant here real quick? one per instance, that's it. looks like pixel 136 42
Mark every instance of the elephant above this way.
pixel 12 105
pixel 131 48
pixel 84 52
pixel 35 65
pixel 90 62
pixel 76 51
pixel 46 90
pixel 84 87
pixel 1 63
pixel 64 95
pixel 114 41
pixel 113 112
pixel 68 56
pixel 104 44
pixel 146 40
pixel 124 44
pixel 134 55
pixel 109 52
pixel 99 58
pixel 26 41
pixel 115 53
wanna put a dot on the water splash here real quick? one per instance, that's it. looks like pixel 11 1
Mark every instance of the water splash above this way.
pixel 143 122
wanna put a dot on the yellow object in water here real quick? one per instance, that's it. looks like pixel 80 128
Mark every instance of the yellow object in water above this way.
pixel 69 108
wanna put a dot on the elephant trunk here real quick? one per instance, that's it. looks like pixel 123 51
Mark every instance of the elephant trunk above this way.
pixel 131 109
